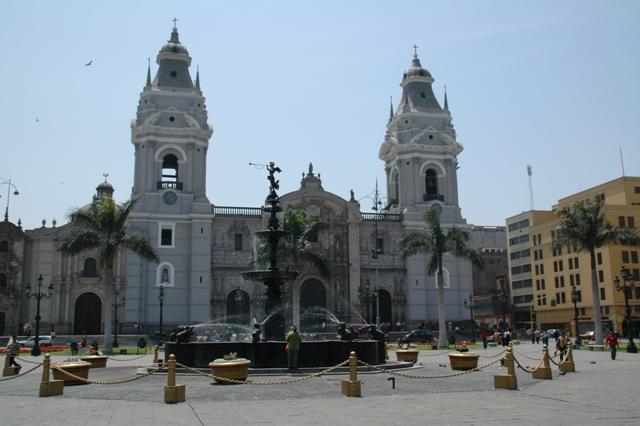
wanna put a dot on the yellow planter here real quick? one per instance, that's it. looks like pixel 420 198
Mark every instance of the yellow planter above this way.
pixel 96 361
pixel 408 355
pixel 237 369
pixel 463 361
pixel 79 368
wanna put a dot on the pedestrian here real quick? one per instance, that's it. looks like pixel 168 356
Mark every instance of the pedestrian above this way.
pixel 94 349
pixel 536 334
pixel 73 346
pixel 545 338
pixel 13 350
pixel 293 348
pixel 562 344
pixel 612 342
pixel 485 337
pixel 83 343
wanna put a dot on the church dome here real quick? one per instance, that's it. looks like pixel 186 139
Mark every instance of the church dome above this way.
pixel 416 69
pixel 173 45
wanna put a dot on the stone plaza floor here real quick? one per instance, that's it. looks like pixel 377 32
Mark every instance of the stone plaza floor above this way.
pixel 601 391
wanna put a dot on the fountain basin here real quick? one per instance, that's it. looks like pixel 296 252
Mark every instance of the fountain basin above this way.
pixel 463 361
pixel 271 354
pixel 235 369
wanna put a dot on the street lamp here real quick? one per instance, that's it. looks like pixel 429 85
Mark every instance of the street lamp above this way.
pixel 15 192
pixel 38 295
pixel 470 304
pixel 161 299
pixel 575 297
pixel 502 297
pixel 376 295
pixel 626 287
pixel 118 303
pixel 366 297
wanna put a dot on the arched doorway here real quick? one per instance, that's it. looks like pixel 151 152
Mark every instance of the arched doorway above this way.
pixel 87 318
pixel 238 307
pixel 313 306
pixel 385 307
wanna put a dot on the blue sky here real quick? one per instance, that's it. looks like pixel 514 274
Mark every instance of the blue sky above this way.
pixel 547 83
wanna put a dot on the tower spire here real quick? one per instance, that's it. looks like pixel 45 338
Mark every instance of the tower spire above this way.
pixel 198 77
pixel 391 109
pixel 148 72
pixel 446 101
pixel 174 34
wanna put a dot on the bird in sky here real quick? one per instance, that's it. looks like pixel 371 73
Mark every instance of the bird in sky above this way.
pixel 88 63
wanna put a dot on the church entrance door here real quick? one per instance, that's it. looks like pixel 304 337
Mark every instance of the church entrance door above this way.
pixel 88 314
pixel 313 306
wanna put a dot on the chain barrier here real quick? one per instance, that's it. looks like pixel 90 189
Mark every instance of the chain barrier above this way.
pixel 526 356
pixel 438 376
pixel 109 382
pixel 4 379
pixel 422 353
pixel 267 382
pixel 28 361
pixel 128 359
pixel 526 370
pixel 493 356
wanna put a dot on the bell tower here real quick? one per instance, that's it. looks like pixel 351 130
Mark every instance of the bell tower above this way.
pixel 170 135
pixel 420 151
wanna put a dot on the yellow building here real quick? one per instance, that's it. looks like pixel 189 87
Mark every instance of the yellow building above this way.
pixel 555 273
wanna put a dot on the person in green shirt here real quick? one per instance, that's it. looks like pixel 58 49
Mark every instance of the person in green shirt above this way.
pixel 293 348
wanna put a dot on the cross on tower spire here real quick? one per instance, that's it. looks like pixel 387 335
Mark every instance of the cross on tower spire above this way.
pixel 415 50
pixel 175 27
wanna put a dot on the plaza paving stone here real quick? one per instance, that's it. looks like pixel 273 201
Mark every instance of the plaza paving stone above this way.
pixel 601 391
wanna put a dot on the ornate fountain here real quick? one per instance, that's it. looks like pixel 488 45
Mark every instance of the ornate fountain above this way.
pixel 269 242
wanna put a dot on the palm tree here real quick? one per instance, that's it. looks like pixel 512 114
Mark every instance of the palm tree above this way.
pixel 583 226
pixel 102 226
pixel 435 243
pixel 303 229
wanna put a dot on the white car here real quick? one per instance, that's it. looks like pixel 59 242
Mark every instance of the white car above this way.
pixel 30 342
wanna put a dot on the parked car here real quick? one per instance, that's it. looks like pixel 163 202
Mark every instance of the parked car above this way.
pixel 419 336
pixel 589 335
pixel 30 342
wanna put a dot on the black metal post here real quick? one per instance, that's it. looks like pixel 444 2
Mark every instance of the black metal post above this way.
pixel 471 304
pixel 161 297
pixel 117 303
pixel 38 295
pixel 574 298
pixel 502 296
pixel 626 287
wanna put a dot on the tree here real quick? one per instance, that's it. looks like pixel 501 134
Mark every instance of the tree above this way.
pixel 584 227
pixel 304 231
pixel 102 226
pixel 435 243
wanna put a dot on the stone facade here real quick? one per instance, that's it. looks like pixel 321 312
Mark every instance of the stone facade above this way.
pixel 204 247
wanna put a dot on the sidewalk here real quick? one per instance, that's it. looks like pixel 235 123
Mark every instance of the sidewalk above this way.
pixel 601 391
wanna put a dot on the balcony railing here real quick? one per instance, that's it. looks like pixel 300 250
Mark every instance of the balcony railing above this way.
pixel 388 217
pixel 169 185
pixel 433 197
pixel 89 274
pixel 237 211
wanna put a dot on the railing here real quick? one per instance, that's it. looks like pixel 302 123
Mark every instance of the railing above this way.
pixel 89 274
pixel 169 185
pixel 433 197
pixel 237 211
pixel 388 217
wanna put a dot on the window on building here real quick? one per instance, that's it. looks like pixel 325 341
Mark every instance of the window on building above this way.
pixel 90 268
pixel 537 269
pixel 563 298
pixel 557 281
pixel 579 294
pixel 555 266
pixel 636 274
pixel 570 263
pixel 557 298
pixel 634 257
pixel 237 242
pixel 380 245
pixel 599 257
pixel 631 222
pixel 606 310
pixel 431 182
pixel 637 189
pixel 170 168
pixel 542 269
pixel 542 285
pixel 3 283
pixel 636 292
pixel 535 255
pixel 621 222
pixel 167 235
pixel 562 281
pixel 576 263
pixel 577 279
pixel 625 256
pixel 560 268
pixel 572 280
pixel 600 276
pixel 4 245
pixel 602 294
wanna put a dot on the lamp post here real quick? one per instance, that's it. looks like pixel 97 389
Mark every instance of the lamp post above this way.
pixel 470 304
pixel 38 295
pixel 575 296
pixel 376 295
pixel 161 299
pixel 502 297
pixel 117 303
pixel 366 298
pixel 15 192
pixel 626 287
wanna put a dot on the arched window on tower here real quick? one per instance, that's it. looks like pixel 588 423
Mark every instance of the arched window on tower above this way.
pixel 170 173
pixel 431 186
pixel 90 268
pixel 395 188
pixel 4 245
pixel 3 284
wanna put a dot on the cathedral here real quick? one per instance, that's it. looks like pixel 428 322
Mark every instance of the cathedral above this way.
pixel 205 247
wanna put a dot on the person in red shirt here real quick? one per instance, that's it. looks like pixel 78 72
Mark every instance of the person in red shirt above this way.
pixel 612 342
pixel 485 336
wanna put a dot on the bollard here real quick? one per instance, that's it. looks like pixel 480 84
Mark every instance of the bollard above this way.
pixel 156 359
pixel 567 365
pixel 544 371
pixel 49 387
pixel 9 370
pixel 509 380
pixel 173 393
pixel 352 386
